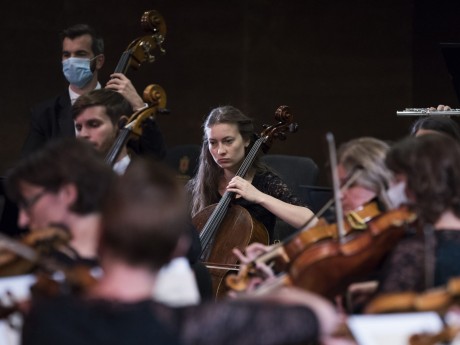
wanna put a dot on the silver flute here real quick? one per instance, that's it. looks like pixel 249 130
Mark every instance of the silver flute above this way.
pixel 427 111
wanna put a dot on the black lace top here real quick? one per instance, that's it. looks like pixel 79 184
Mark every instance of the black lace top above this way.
pixel 271 184
pixel 405 268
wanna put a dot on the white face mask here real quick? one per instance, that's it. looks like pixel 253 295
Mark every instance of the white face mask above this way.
pixel 397 194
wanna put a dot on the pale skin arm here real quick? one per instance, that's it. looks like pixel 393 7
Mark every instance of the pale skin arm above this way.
pixel 294 215
pixel 123 85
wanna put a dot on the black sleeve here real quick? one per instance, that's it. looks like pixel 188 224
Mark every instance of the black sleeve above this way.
pixel 248 323
pixel 194 251
pixel 150 143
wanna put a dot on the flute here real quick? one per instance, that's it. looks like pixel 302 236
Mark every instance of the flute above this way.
pixel 427 111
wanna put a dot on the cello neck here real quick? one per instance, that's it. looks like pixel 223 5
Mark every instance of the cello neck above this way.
pixel 112 155
pixel 214 221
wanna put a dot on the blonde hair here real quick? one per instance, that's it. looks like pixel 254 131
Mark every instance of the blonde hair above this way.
pixel 368 154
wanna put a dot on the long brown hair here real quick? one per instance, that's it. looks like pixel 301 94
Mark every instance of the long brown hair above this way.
pixel 203 188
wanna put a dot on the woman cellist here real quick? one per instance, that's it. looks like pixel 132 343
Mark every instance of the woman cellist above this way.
pixel 228 134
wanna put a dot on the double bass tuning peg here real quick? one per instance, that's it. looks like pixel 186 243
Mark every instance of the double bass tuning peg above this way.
pixel 293 127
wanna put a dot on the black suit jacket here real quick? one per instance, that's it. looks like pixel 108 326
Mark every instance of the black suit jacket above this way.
pixel 50 119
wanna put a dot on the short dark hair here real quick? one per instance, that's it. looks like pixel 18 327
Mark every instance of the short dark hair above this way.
pixel 443 124
pixel 115 104
pixel 145 216
pixel 61 162
pixel 78 30
pixel 431 163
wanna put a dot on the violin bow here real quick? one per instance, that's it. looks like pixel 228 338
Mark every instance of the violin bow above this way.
pixel 336 187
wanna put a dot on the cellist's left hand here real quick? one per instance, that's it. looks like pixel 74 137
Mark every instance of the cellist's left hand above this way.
pixel 245 190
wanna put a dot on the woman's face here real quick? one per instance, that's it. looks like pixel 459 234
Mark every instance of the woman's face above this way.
pixel 226 145
pixel 354 196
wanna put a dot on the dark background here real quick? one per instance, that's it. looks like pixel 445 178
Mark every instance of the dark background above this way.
pixel 341 66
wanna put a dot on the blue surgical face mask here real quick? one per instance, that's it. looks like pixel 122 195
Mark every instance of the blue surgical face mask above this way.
pixel 77 71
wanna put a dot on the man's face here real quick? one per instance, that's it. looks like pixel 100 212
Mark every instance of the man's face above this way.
pixel 78 47
pixel 40 208
pixel 94 125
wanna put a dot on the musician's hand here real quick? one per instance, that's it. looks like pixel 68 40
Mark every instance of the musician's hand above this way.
pixel 245 190
pixel 251 252
pixel 440 107
pixel 123 85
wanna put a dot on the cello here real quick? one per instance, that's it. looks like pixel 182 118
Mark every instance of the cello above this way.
pixel 155 97
pixel 224 226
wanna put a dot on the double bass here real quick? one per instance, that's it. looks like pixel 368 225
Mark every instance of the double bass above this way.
pixel 225 226
pixel 141 50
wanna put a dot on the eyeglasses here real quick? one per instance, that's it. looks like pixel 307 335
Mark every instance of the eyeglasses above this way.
pixel 26 204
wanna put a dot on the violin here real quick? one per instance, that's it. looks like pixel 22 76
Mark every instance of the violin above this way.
pixel 155 97
pixel 21 257
pixel 35 252
pixel 285 252
pixel 438 299
pixel 328 267
pixel 224 226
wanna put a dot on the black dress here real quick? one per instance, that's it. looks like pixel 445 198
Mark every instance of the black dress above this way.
pixel 405 269
pixel 270 184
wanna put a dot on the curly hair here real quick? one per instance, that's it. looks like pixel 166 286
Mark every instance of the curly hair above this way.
pixel 431 164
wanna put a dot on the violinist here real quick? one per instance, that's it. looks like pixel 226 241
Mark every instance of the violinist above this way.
pixel 367 155
pixel 228 135
pixel 144 223
pixel 82 59
pixel 429 167
pixel 64 185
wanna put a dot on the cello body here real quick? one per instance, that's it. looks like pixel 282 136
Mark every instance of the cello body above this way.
pixel 238 229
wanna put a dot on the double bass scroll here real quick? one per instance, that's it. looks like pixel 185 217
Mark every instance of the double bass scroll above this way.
pixel 142 48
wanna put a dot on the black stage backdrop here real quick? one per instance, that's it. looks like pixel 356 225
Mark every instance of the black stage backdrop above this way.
pixel 342 66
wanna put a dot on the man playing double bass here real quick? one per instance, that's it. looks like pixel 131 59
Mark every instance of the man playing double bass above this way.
pixel 82 58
